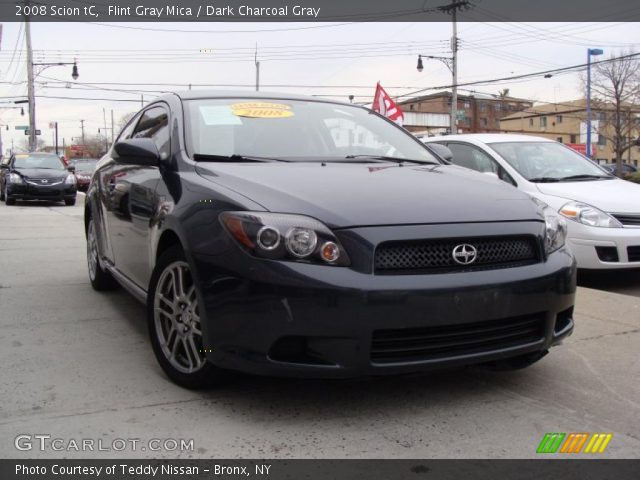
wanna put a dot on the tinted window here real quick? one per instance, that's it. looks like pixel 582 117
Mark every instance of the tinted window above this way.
pixel 472 157
pixel 154 124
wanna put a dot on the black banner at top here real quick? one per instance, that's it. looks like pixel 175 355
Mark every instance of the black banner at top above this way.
pixel 319 10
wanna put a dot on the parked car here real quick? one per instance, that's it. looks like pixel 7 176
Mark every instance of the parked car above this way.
pixel 295 236
pixel 36 176
pixel 603 210
pixel 84 168
pixel 627 168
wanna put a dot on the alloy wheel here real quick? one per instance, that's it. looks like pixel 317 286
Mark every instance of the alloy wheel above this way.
pixel 177 318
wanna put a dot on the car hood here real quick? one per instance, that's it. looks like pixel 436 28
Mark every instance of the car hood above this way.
pixel 615 195
pixel 351 194
pixel 41 173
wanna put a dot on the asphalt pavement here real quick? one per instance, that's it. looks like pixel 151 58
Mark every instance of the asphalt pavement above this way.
pixel 77 365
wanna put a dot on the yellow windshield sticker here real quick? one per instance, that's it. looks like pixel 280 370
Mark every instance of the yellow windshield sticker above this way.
pixel 22 155
pixel 261 110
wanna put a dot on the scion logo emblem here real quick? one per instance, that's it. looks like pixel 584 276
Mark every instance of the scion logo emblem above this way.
pixel 45 181
pixel 465 254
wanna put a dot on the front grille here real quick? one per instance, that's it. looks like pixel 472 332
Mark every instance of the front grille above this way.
pixel 437 256
pixel 628 219
pixel 634 253
pixel 44 182
pixel 432 343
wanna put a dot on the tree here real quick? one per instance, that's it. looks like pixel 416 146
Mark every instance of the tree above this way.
pixel 615 93
pixel 504 93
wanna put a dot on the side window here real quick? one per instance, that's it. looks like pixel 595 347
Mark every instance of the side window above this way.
pixel 154 124
pixel 127 131
pixel 472 157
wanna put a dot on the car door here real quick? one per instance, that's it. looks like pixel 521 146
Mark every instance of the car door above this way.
pixel 132 199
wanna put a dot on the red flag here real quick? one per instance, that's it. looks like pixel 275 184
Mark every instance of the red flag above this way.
pixel 383 104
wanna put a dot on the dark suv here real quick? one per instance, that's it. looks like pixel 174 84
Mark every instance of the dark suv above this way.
pixel 288 235
pixel 36 176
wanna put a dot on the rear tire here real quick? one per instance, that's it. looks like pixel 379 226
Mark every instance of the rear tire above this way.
pixel 173 315
pixel 101 279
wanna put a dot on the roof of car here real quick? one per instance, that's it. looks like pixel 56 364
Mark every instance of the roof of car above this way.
pixel 488 138
pixel 197 94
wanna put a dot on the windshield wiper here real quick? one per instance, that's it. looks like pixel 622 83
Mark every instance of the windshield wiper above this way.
pixel 585 177
pixel 544 179
pixel 385 158
pixel 200 157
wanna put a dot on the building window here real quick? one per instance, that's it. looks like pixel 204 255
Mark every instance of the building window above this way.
pixel 602 141
pixel 497 106
pixel 411 107
pixel 602 116
pixel 543 122
pixel 573 139
pixel 467 121
pixel 484 122
pixel 558 118
pixel 483 107
pixel 531 122
pixel 559 139
pixel 467 104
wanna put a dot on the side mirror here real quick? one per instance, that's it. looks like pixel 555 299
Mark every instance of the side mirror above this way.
pixel 71 168
pixel 492 174
pixel 442 151
pixel 138 151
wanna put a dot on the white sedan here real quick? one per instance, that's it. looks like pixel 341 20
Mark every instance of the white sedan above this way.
pixel 603 211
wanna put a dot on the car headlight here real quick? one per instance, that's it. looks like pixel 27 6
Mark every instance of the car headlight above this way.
pixel 70 180
pixel 279 236
pixel 555 230
pixel 15 178
pixel 588 215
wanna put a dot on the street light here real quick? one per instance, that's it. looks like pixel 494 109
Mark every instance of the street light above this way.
pixel 450 62
pixel 590 52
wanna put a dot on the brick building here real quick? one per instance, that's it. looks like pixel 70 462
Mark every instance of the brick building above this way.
pixel 477 113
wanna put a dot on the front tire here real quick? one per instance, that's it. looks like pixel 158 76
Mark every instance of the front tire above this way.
pixel 173 315
pixel 101 279
pixel 7 199
pixel 69 202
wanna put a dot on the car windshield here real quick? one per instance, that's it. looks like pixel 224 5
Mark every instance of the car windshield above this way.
pixel 295 130
pixel 548 162
pixel 38 160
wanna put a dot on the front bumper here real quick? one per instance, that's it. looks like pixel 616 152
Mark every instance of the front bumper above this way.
pixel 296 319
pixel 604 248
pixel 56 192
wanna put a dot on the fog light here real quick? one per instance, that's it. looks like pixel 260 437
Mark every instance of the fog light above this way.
pixel 268 238
pixel 301 242
pixel 330 252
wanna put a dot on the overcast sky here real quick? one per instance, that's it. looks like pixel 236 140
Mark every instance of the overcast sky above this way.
pixel 294 54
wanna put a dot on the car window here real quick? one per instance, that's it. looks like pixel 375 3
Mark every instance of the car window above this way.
pixel 472 157
pixel 38 160
pixel 295 130
pixel 154 124
pixel 546 161
pixel 127 131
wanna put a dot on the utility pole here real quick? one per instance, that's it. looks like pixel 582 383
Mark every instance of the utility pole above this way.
pixel 30 88
pixel 82 127
pixel 106 139
pixel 452 9
pixel 56 143
pixel 454 71
pixel 257 69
